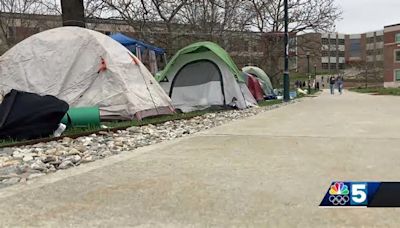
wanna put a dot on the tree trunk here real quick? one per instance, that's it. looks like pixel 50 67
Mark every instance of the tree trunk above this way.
pixel 73 13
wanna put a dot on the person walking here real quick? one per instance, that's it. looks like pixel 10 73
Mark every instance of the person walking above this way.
pixel 339 82
pixel 332 83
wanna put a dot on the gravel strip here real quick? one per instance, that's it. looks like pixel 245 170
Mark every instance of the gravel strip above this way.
pixel 22 164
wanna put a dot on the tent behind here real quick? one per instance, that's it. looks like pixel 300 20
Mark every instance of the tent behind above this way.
pixel 260 74
pixel 150 55
pixel 203 75
pixel 128 41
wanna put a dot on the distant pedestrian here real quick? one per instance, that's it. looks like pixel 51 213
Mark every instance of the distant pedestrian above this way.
pixel 339 82
pixel 304 84
pixel 332 83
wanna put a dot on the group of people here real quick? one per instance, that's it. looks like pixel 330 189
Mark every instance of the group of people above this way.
pixel 336 82
pixel 300 84
pixel 312 84
pixel 333 82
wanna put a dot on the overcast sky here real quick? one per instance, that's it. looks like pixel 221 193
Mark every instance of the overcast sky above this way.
pixel 360 16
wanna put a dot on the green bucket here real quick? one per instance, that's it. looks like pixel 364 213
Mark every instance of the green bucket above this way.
pixel 82 117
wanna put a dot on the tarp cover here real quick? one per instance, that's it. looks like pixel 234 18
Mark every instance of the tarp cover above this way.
pixel 84 68
pixel 254 86
pixel 128 41
pixel 260 74
pixel 28 116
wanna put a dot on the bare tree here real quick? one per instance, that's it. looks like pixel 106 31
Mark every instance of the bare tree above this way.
pixel 304 16
pixel 367 72
pixel 15 14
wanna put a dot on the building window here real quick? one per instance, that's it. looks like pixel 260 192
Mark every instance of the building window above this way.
pixel 397 74
pixel 397 55
pixel 341 66
pixel 333 66
pixel 341 41
pixel 370 40
pixel 325 41
pixel 325 53
pixel 355 48
pixel 325 66
pixel 333 41
pixel 379 39
pixel 341 53
pixel 333 54
pixel 398 38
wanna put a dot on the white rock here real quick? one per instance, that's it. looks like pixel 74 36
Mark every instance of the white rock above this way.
pixel 27 158
pixel 74 158
pixel 67 140
pixel 87 159
pixel 66 164
pixel 51 151
pixel 17 154
pixel 133 129
pixel 73 151
pixel 39 165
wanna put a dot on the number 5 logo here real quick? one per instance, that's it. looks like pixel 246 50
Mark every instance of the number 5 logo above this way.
pixel 359 194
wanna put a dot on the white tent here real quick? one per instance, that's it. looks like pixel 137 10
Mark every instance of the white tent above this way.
pixel 203 75
pixel 84 68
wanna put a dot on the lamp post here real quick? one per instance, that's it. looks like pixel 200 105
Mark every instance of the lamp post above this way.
pixel 286 79
pixel 315 71
pixel 315 78
pixel 308 72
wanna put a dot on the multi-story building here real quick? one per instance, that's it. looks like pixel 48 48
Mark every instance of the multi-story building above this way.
pixel 334 52
pixel 392 56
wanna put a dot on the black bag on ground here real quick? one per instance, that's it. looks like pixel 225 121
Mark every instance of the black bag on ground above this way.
pixel 26 115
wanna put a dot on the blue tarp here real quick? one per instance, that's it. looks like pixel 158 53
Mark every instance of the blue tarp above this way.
pixel 130 42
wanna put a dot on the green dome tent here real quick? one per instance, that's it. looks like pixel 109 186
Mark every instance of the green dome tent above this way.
pixel 262 76
pixel 203 75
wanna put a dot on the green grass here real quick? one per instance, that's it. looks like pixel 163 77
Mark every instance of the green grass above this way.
pixel 378 90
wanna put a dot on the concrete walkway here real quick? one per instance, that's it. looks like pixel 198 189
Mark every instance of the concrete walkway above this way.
pixel 271 170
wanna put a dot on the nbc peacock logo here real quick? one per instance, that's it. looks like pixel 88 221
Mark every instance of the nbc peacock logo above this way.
pixel 339 194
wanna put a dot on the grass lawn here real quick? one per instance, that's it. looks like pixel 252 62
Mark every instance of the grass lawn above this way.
pixel 378 90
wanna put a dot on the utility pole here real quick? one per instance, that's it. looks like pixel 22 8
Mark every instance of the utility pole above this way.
pixel 308 72
pixel 286 79
pixel 73 13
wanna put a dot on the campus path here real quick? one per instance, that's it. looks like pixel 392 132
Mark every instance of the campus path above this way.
pixel 266 171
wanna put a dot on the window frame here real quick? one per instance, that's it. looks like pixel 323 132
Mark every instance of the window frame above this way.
pixel 395 75
pixel 397 38
pixel 395 51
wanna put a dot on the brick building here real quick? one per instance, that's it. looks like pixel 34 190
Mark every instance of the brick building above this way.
pixel 392 56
